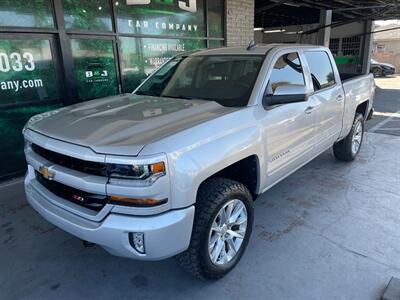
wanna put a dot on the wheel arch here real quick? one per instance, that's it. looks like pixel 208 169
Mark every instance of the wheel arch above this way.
pixel 246 171
pixel 362 108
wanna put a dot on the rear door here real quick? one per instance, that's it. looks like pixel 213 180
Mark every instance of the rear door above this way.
pixel 288 129
pixel 328 96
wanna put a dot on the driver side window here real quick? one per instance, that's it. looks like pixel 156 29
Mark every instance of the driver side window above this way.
pixel 287 70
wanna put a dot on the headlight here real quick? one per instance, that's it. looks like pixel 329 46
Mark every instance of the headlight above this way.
pixel 146 173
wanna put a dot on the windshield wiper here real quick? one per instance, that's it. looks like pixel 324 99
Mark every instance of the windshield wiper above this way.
pixel 142 93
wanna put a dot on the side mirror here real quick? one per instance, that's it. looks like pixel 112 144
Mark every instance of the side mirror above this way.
pixel 287 93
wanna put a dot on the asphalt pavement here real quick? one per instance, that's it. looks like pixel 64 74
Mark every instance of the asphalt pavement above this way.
pixel 386 119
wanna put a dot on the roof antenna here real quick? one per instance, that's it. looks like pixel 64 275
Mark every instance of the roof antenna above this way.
pixel 251 45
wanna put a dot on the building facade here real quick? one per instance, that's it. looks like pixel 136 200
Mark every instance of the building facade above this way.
pixel 55 53
pixel 386 45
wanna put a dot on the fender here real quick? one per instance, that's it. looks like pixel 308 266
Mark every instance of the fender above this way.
pixel 214 146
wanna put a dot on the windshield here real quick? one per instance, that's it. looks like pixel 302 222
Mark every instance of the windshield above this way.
pixel 226 79
pixel 373 61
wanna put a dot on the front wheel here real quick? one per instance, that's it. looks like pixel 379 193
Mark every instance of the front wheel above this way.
pixel 348 148
pixel 221 230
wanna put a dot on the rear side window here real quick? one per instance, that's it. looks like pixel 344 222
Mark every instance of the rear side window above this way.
pixel 287 70
pixel 321 69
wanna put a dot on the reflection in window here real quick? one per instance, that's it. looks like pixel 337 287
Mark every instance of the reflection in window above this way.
pixel 321 69
pixel 215 43
pixel 287 70
pixel 22 13
pixel 215 18
pixel 87 15
pixel 141 56
pixel 12 120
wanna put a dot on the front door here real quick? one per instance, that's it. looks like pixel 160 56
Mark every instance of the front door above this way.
pixel 288 128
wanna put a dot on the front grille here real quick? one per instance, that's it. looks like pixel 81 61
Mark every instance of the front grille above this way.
pixel 88 200
pixel 89 167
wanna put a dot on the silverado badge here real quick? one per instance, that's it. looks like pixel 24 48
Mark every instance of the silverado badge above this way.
pixel 46 173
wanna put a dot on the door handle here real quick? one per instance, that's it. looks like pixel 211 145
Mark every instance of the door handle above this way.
pixel 309 110
pixel 339 98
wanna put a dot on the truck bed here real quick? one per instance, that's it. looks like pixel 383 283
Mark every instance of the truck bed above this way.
pixel 357 89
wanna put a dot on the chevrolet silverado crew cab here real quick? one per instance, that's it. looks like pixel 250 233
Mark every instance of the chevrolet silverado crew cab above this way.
pixel 173 168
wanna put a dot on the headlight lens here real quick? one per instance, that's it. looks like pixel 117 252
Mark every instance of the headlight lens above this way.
pixel 137 172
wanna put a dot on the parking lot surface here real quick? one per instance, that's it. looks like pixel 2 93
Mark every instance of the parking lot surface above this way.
pixel 387 106
pixel 329 231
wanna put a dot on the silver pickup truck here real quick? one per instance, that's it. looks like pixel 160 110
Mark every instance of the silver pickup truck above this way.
pixel 174 167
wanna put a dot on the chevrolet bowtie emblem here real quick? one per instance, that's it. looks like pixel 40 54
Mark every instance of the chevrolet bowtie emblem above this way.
pixel 46 173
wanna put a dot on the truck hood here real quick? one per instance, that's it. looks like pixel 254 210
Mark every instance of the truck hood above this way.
pixel 124 124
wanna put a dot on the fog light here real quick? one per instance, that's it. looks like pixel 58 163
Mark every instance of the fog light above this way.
pixel 136 240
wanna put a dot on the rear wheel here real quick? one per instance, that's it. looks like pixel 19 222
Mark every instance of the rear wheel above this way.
pixel 221 230
pixel 348 148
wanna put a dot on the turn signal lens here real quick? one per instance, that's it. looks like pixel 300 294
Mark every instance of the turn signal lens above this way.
pixel 158 167
pixel 138 202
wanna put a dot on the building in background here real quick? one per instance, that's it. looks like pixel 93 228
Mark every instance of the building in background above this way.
pixel 346 41
pixel 386 45
pixel 59 52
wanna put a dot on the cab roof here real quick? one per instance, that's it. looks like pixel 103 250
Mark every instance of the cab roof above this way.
pixel 259 49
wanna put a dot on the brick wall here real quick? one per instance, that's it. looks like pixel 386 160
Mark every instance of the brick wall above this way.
pixel 239 22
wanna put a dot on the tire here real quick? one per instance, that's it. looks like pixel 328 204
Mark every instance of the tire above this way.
pixel 377 72
pixel 214 195
pixel 344 150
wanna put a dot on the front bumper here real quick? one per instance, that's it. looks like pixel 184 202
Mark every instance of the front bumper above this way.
pixel 165 234
pixel 387 72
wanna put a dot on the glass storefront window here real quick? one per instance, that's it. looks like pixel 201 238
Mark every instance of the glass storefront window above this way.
pixel 27 72
pixel 94 68
pixel 216 18
pixel 12 121
pixel 141 56
pixel 215 43
pixel 161 17
pixel 87 15
pixel 22 13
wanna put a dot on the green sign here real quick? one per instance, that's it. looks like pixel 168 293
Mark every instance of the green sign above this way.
pixel 161 17
pixel 347 60
pixel 94 68
pixel 141 56
pixel 27 72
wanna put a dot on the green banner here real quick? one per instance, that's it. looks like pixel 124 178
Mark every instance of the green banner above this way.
pixel 94 68
pixel 141 56
pixel 27 72
pixel 161 17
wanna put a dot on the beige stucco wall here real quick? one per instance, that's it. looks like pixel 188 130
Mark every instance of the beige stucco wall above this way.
pixel 391 54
